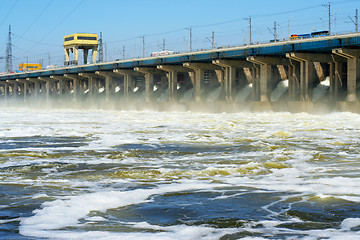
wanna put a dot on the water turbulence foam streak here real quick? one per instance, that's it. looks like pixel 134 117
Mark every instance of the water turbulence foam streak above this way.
pixel 70 174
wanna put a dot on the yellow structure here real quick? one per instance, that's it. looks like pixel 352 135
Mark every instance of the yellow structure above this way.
pixel 29 67
pixel 85 41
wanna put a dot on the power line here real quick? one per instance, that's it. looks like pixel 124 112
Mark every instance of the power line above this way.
pixel 148 35
pixel 258 16
pixel 225 22
pixel 37 42
pixel 9 12
pixel 61 22
pixel 37 18
pixel 221 23
pixel 4 19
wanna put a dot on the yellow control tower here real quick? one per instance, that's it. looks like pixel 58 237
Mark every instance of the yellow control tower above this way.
pixel 85 41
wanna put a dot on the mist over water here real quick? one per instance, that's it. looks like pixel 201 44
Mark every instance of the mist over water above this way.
pixel 103 174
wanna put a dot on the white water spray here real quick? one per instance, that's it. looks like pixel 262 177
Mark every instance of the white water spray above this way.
pixel 321 89
pixel 280 89
pixel 214 95
pixel 243 95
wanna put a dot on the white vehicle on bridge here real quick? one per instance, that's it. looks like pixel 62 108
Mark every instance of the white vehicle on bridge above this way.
pixel 162 53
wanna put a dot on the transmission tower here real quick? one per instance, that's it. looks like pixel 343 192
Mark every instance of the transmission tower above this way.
pixel 101 51
pixel 8 66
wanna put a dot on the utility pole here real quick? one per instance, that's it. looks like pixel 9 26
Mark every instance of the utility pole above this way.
pixel 123 52
pixel 356 21
pixel 250 29
pixel 249 18
pixel 163 45
pixel 105 50
pixel 101 50
pixel 329 9
pixel 289 26
pixel 213 39
pixel 274 33
pixel 329 20
pixel 143 38
pixel 9 53
pixel 190 39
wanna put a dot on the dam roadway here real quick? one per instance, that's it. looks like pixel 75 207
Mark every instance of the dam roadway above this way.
pixel 313 74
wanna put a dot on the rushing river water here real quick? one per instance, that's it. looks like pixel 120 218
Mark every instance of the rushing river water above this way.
pixel 72 174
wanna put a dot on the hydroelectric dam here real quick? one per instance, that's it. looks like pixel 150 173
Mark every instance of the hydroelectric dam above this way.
pixel 301 75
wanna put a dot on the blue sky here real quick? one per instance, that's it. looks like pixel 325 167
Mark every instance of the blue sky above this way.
pixel 38 26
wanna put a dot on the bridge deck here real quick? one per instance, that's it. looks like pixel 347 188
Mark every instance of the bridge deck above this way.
pixel 310 45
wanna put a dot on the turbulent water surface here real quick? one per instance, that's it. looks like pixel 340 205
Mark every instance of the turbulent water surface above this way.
pixel 72 174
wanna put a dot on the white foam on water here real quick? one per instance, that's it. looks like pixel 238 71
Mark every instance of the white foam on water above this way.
pixel 40 195
pixel 349 223
pixel 273 229
pixel 96 219
pixel 62 213
pixel 178 232
pixel 184 231
pixel 289 139
pixel 9 220
pixel 303 176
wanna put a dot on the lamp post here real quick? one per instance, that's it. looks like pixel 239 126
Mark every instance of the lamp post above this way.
pixel 289 25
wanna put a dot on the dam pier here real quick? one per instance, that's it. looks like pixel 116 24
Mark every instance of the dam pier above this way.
pixel 301 75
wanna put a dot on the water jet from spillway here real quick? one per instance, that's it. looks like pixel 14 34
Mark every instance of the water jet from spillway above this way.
pixel 280 90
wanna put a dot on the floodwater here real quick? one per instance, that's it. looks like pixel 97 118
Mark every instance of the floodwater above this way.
pixel 76 174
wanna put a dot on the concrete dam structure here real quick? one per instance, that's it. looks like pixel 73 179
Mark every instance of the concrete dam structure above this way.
pixel 302 75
